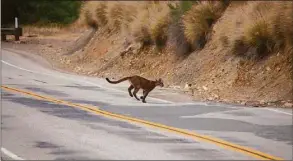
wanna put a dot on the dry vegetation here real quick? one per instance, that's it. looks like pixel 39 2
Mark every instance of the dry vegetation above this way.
pixel 45 31
pixel 259 29
pixel 52 29
pixel 146 22
pixel 149 22
pixel 198 22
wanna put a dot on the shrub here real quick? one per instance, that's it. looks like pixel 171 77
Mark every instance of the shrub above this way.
pixel 41 11
pixel 198 22
pixel 140 29
pixel 259 37
pixel 115 15
pixel 150 25
pixel 89 20
pixel 266 28
pixel 129 13
pixel 88 15
pixel 159 23
pixel 142 35
pixel 101 14
pixel 281 25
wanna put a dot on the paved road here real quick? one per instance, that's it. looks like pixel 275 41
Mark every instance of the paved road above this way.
pixel 34 128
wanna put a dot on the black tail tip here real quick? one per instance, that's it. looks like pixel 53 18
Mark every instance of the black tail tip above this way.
pixel 107 79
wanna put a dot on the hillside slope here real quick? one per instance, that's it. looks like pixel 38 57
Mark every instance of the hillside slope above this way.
pixel 213 72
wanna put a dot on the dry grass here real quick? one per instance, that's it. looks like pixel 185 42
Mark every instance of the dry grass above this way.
pixel 42 31
pixel 130 11
pixel 198 22
pixel 146 22
pixel 101 14
pixel 115 15
pixel 282 25
pixel 112 15
pixel 150 25
pixel 260 27
pixel 87 15
pixel 256 29
pixel 140 28
pixel 258 35
pixel 89 20
pixel 159 23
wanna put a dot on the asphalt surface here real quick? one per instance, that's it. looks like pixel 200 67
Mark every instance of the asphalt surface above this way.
pixel 41 129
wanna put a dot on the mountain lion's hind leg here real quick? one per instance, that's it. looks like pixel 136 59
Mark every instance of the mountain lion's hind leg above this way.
pixel 134 93
pixel 129 90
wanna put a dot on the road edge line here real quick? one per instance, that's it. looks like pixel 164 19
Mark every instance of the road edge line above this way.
pixel 10 154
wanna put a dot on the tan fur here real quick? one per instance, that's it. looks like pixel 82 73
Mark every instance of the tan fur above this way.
pixel 137 83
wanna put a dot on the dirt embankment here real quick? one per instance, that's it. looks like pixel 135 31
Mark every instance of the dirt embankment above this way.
pixel 211 73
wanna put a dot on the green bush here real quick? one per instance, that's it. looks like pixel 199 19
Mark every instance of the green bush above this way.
pixel 40 11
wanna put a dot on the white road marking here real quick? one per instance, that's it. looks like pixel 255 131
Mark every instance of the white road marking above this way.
pixel 194 116
pixel 72 79
pixel 10 154
pixel 279 111
pixel 240 108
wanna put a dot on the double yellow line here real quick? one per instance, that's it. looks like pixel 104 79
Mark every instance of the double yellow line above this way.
pixel 193 135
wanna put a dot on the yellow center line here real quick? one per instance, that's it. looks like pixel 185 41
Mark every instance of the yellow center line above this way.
pixel 193 135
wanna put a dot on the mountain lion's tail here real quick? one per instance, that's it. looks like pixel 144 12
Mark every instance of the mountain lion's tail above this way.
pixel 118 81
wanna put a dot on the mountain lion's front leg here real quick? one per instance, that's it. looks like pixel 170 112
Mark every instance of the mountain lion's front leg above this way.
pixel 145 94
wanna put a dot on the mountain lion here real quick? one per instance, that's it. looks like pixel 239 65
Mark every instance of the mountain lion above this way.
pixel 137 82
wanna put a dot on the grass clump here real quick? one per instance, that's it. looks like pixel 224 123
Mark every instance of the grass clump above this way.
pixel 159 24
pixel 198 22
pixel 88 16
pixel 140 29
pixel 266 28
pixel 101 14
pixel 258 36
pixel 115 15
pixel 89 20
pixel 282 26
pixel 150 25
